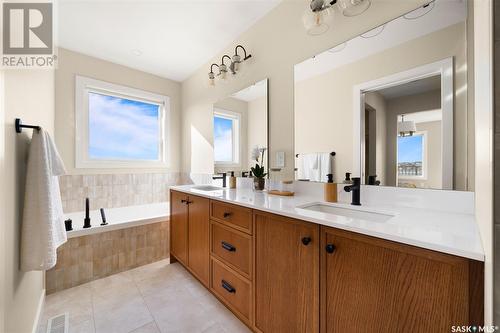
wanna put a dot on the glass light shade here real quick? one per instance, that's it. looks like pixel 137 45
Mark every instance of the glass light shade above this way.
pixel 354 7
pixel 222 72
pixel 406 128
pixel 236 62
pixel 211 79
pixel 317 23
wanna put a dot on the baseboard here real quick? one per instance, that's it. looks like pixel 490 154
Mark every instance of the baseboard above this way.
pixel 39 312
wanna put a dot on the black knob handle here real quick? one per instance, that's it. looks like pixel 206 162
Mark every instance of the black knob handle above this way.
pixel 227 214
pixel 306 240
pixel 227 286
pixel 330 248
pixel 188 202
pixel 184 201
pixel 227 246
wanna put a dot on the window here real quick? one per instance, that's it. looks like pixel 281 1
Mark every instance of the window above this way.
pixel 118 126
pixel 226 137
pixel 411 156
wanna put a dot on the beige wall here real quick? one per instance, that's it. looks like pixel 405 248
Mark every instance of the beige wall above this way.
pixel 240 107
pixel 329 96
pixel 71 64
pixel 377 101
pixel 276 42
pixel 28 95
pixel 257 127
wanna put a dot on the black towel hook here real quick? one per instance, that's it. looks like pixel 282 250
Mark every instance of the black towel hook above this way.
pixel 20 126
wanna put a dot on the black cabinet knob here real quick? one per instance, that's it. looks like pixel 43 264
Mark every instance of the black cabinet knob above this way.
pixel 306 240
pixel 227 214
pixel 184 201
pixel 330 248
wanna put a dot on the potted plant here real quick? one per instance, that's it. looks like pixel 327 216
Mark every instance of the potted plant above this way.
pixel 259 171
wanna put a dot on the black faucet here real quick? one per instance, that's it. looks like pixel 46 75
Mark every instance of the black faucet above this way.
pixel 355 188
pixel 223 177
pixel 86 221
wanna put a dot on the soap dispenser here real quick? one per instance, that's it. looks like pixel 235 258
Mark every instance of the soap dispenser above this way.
pixel 330 189
pixel 232 180
pixel 347 179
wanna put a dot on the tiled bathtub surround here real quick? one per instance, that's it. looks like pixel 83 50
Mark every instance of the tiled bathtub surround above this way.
pixel 86 258
pixel 115 190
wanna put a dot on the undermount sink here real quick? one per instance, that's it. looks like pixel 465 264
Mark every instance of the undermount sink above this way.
pixel 354 213
pixel 207 188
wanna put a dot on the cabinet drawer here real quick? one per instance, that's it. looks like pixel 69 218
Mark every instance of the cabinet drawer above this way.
pixel 233 289
pixel 233 247
pixel 237 217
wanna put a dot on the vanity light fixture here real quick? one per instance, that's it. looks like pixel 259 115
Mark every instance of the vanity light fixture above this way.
pixel 317 18
pixel 406 128
pixel 234 67
pixel 354 7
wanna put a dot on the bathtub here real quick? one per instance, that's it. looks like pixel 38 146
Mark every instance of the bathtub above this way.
pixel 118 218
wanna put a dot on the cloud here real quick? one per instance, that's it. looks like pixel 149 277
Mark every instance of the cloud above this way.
pixel 122 129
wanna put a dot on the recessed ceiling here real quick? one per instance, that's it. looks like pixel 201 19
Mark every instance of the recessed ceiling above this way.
pixel 164 37
pixel 412 88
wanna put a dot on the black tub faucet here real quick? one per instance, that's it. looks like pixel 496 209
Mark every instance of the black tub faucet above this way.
pixel 355 188
pixel 86 221
pixel 223 177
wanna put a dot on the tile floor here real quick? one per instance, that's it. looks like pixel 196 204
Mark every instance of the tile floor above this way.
pixel 158 297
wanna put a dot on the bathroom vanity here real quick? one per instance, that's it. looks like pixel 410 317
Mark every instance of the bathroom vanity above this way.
pixel 284 265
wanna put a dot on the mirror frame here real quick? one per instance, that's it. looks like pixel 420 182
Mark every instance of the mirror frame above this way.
pixel 444 68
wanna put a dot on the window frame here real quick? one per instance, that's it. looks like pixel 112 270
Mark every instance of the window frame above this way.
pixel 85 85
pixel 425 161
pixel 235 117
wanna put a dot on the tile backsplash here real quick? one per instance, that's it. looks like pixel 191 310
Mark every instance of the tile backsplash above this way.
pixel 115 190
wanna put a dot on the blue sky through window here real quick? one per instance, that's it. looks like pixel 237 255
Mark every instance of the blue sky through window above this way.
pixel 123 129
pixel 223 139
pixel 410 148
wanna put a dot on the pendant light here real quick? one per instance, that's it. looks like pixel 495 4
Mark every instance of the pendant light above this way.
pixel 354 7
pixel 318 17
pixel 406 128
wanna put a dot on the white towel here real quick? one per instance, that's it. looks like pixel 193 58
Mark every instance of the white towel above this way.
pixel 43 220
pixel 325 166
pixel 308 167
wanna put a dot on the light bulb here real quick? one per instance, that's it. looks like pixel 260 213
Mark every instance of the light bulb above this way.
pixel 318 22
pixel 211 79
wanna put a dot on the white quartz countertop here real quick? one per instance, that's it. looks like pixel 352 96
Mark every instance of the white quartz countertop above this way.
pixel 452 233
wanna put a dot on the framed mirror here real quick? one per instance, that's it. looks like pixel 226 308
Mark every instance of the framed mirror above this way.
pixel 390 105
pixel 240 123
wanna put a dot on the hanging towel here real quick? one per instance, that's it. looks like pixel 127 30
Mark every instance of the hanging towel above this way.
pixel 42 229
pixel 308 167
pixel 325 166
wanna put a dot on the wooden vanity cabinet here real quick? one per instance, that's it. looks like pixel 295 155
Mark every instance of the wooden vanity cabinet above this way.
pixel 190 233
pixel 374 285
pixel 286 274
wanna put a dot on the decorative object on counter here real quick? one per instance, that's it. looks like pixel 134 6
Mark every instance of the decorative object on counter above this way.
pixel 355 188
pixel 284 188
pixel 234 66
pixel 347 179
pixel 259 171
pixel 103 217
pixel 223 177
pixel 86 221
pixel 330 189
pixel 232 180
pixel 68 225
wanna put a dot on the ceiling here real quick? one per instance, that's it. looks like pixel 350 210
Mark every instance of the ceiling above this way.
pixel 412 88
pixel 169 38
pixel 423 116
pixel 443 13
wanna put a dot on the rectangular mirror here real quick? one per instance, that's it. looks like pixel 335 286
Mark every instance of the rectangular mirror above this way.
pixel 390 105
pixel 240 126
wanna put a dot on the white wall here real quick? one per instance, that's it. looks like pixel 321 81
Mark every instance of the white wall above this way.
pixel 483 117
pixel 378 102
pixel 70 64
pixel 276 42
pixel 257 127
pixel 29 95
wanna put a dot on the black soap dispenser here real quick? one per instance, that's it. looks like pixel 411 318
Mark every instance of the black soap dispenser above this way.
pixel 347 179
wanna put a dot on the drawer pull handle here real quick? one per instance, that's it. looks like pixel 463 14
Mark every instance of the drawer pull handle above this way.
pixel 330 248
pixel 306 240
pixel 228 287
pixel 227 246
pixel 227 214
